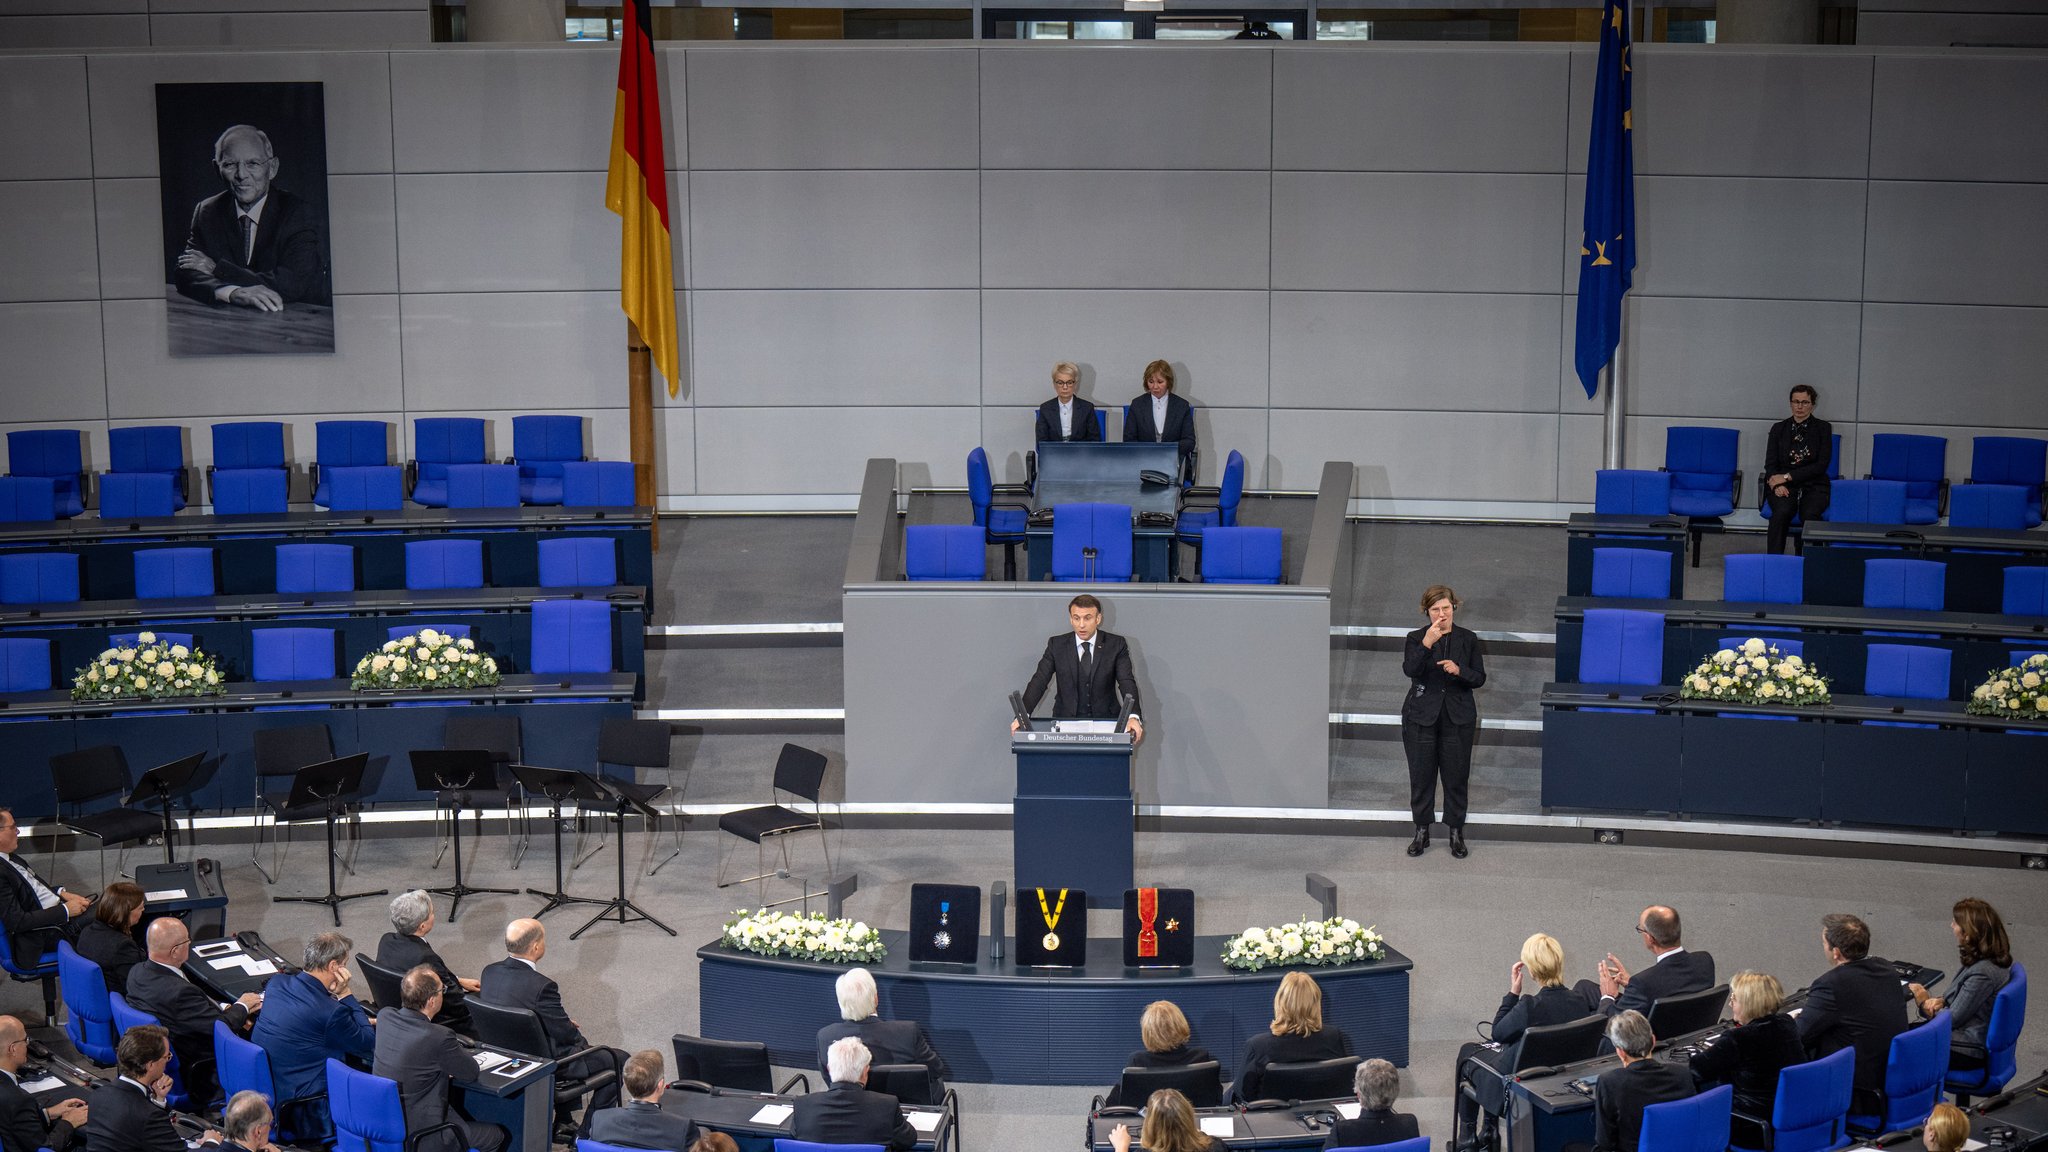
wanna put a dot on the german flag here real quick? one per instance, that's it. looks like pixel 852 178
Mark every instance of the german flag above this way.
pixel 637 189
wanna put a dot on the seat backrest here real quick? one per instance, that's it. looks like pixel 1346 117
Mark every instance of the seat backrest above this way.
pixel 42 577
pixel 632 743
pixel 283 751
pixel 586 1145
pixel 548 438
pixel 513 1029
pixel 1201 1083
pixel 248 444
pixel 1913 1072
pixel 1104 529
pixel 459 631
pixel 944 552
pixel 1680 1015
pixel 1700 457
pixel 1813 1103
pixel 1631 492
pixel 1242 555
pixel 572 636
pixel 364 487
pixel 146 448
pixel 438 441
pixel 498 735
pixel 1419 1144
pixel 1621 646
pixel 164 573
pixel 316 568
pixel 90 773
pixel 1920 461
pixel 352 443
pixel 579 562
pixel 91 1016
pixel 58 453
pixel 1231 492
pixel 28 498
pixel 598 484
pixel 1696 1124
pixel 981 485
pixel 1786 646
pixel 1919 584
pixel 127 1015
pixel 483 486
pixel 2002 1035
pixel 241 1066
pixel 2019 460
pixel 292 654
pixel 1909 671
pixel 249 491
pixel 1867 502
pixel 137 494
pixel 908 1083
pixel 792 1144
pixel 1985 506
pixel 800 771
pixel 1310 1079
pixel 384 983
pixel 737 1065
pixel 24 664
pixel 1635 573
pixel 366 1110
pixel 444 564
pixel 1565 1043
pixel 1761 578
pixel 2026 591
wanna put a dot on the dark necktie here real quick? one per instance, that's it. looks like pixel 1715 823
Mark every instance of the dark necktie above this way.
pixel 248 239
pixel 1087 674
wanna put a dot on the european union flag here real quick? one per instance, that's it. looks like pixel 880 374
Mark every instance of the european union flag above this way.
pixel 1607 247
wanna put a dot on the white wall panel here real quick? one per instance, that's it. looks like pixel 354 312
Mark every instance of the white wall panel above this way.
pixel 831 106
pixel 43 129
pixel 1955 243
pixel 523 350
pixel 1220 431
pixel 49 254
pixel 905 347
pixel 1098 107
pixel 1959 29
pixel 675 447
pixel 1416 231
pixel 506 232
pixel 1462 351
pixel 832 229
pixel 56 369
pixel 789 451
pixel 1978 361
pixel 1421 455
pixel 1706 236
pixel 144 382
pixel 77 7
pixel 1123 229
pixel 1216 342
pixel 268 29
pixel 1715 359
pixel 1415 108
pixel 131 236
pixel 538 109
pixel 86 31
pixel 1581 442
pixel 362 218
pixel 1922 102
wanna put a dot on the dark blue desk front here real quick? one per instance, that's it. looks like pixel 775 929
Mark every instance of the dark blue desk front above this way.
pixel 1108 473
pixel 1976 557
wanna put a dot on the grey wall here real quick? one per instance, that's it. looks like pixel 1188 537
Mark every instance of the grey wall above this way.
pixel 1350 252
pixel 221 23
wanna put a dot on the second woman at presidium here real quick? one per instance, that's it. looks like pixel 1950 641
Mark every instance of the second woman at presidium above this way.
pixel 1444 663
pixel 1168 1044
pixel 1297 1034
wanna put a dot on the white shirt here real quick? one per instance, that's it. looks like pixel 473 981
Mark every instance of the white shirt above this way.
pixel 1066 417
pixel 254 215
pixel 1159 416
pixel 525 961
pixel 45 896
pixel 1080 646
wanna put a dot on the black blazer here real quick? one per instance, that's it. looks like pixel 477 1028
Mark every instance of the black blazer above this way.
pixel 286 256
pixel 119 1117
pixel 183 1008
pixel 24 1127
pixel 25 920
pixel 114 950
pixel 888 1041
pixel 1180 423
pixel 1552 1004
pixel 1087 423
pixel 1061 666
pixel 1265 1048
pixel 511 983
pixel 641 1125
pixel 1621 1094
pixel 1820 437
pixel 422 1057
pixel 1435 691
pixel 1675 975
pixel 404 953
pixel 1750 1057
pixel 847 1113
pixel 1858 1005
pixel 1381 1126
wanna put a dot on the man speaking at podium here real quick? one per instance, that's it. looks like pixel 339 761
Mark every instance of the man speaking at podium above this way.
pixel 1089 669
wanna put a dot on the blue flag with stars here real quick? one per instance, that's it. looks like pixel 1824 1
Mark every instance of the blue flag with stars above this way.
pixel 1607 247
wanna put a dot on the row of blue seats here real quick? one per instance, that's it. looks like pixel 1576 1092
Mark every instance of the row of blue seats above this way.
pixel 569 636
pixel 148 474
pixel 1645 574
pixel 164 573
pixel 1241 555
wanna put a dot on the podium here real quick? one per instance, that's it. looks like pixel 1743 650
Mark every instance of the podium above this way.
pixel 1074 813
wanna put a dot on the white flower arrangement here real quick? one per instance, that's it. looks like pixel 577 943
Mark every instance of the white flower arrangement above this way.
pixel 1304 942
pixel 149 669
pixel 1757 672
pixel 2020 691
pixel 425 659
pixel 770 932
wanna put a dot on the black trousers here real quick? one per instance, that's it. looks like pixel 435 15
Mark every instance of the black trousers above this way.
pixel 1466 1119
pixel 1809 500
pixel 1442 749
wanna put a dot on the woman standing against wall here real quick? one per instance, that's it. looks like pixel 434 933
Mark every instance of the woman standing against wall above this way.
pixel 1438 716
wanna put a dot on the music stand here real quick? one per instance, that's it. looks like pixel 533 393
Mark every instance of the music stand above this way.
pixel 329 787
pixel 559 785
pixel 622 806
pixel 452 774
pixel 160 784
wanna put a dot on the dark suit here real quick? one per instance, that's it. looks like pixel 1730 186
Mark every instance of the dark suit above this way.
pixel 1678 974
pixel 121 1117
pixel 642 1125
pixel 1087 425
pixel 1179 1057
pixel 513 983
pixel 1094 697
pixel 1858 1005
pixel 1551 1004
pixel 889 1042
pixel 1376 1126
pixel 1180 424
pixel 301 1026
pixel 1265 1048
pixel 32 929
pixel 422 1057
pixel 1621 1094
pixel 1750 1057
pixel 1808 481
pixel 113 949
pixel 23 1125
pixel 184 1009
pixel 1438 718
pixel 847 1113
pixel 404 953
pixel 286 256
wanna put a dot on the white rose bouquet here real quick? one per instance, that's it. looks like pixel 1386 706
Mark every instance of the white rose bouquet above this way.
pixel 425 659
pixel 1757 672
pixel 1304 942
pixel 805 936
pixel 149 669
pixel 2018 692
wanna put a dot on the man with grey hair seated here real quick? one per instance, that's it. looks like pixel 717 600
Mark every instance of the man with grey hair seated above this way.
pixel 1621 1094
pixel 245 1124
pixel 888 1041
pixel 308 1017
pixel 846 1112
pixel 1377 1084
pixel 405 948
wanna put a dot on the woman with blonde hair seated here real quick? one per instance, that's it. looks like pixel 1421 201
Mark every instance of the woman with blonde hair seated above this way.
pixel 1542 961
pixel 1164 1029
pixel 1170 1126
pixel 1948 1127
pixel 1764 1042
pixel 1296 1035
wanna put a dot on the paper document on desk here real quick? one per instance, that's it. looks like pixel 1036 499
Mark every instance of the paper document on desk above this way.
pixel 771 1114
pixel 924 1121
pixel 248 964
pixel 1099 727
pixel 1219 1126
pixel 1974 1145
pixel 163 894
pixel 485 1061
pixel 46 1084
pixel 1348 1109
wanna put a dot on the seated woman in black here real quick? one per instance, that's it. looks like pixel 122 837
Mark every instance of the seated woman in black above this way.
pixel 109 940
pixel 1295 1035
pixel 1985 954
pixel 1552 1003
pixel 1750 1055
pixel 1166 1034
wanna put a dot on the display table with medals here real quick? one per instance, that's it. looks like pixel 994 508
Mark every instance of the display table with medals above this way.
pixel 1074 813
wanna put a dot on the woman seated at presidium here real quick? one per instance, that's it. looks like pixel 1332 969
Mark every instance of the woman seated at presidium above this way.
pixel 1764 1042
pixel 1296 1035
pixel 1066 416
pixel 1157 415
pixel 1985 954
pixel 1166 1035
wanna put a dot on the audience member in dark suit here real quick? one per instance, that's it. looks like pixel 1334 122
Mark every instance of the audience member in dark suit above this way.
pixel 517 982
pixel 1621 1094
pixel 1159 416
pixel 108 938
pixel 1542 959
pixel 127 1114
pixel 1067 416
pixel 422 1057
pixel 1087 669
pixel 308 1018
pixel 640 1122
pixel 405 947
pixel 246 1122
pixel 25 1125
pixel 1377 1084
pixel 846 1112
pixel 1984 956
pixel 1857 1004
pixel 1166 1035
pixel 1798 453
pixel 888 1041
pixel 161 988
pixel 1673 971
pixel 1438 716
pixel 274 258
pixel 1170 1126
pixel 1296 1034
pixel 1750 1055
pixel 34 913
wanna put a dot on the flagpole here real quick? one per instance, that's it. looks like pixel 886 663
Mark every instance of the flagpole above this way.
pixel 1617 395
pixel 640 393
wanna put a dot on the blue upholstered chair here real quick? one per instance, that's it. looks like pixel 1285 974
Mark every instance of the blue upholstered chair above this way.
pixel 598 484
pixel 1631 492
pixel 2020 460
pixel 134 495
pixel 24 664
pixel 134 639
pixel 89 1015
pixel 1760 578
pixel 586 1145
pixel 571 636
pixel 1212 507
pixel 2003 506
pixel 28 498
pixel 789 1144
pixel 1696 1124
pixel 242 1066
pixel 444 564
pixel 250 491
pixel 248 444
pixel 249 471
pixel 1241 555
pixel 2026 591
pixel 944 552
pixel 56 454
pixel 1867 502
pixel 579 562
pixel 1786 645
pixel 348 444
pixel 1419 1144
pixel 540 446
pixel 2001 1042
pixel 154 449
pixel 362 488
pixel 1907 671
pixel 437 442
pixel 1919 462
pixel 483 486
pixel 1812 1110
pixel 1092 542
pixel 1914 584
pixel 1763 503
pixel 1621 646
pixel 1001 522
pixel 278 654
pixel 368 1116
pixel 304 568
pixel 128 1016
pixel 1702 462
pixel 1633 573
pixel 167 573
pixel 47 577
pixel 459 631
pixel 1912 1079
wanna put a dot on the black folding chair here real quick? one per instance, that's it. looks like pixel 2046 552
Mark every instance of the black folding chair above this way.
pixel 498 735
pixel 631 744
pixel 799 772
pixel 735 1065
pixel 93 774
pixel 280 753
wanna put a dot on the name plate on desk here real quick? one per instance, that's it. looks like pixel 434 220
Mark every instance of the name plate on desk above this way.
pixel 1105 739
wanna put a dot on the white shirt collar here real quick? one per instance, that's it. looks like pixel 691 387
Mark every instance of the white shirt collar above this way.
pixel 254 211
pixel 1096 640
pixel 525 961
pixel 1673 952
pixel 170 968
